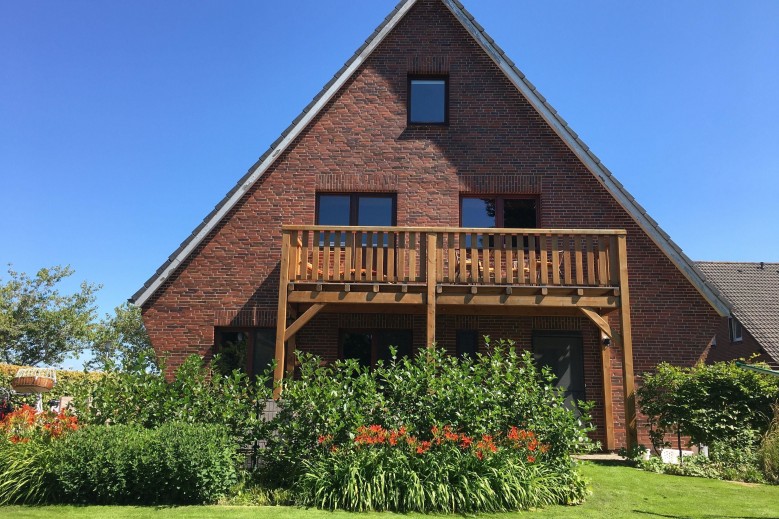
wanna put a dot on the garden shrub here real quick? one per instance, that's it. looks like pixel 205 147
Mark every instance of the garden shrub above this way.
pixel 177 463
pixel 477 397
pixel 197 394
pixel 768 454
pixel 711 404
pixel 68 383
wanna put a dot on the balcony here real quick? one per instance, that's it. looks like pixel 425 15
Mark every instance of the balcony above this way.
pixel 493 267
pixel 432 270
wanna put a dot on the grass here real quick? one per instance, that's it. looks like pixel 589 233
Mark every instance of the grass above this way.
pixel 617 491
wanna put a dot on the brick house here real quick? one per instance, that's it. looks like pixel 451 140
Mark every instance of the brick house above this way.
pixel 429 194
pixel 753 292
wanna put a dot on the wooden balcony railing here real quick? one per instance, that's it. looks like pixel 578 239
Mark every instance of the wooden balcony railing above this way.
pixel 532 257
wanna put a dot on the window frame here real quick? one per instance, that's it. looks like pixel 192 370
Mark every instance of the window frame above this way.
pixel 250 332
pixel 374 333
pixel 735 330
pixel 409 100
pixel 354 205
pixel 500 205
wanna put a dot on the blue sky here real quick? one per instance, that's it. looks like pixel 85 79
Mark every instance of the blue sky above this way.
pixel 123 123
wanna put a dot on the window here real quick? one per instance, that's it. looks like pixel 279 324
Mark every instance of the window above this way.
pixel 250 350
pixel 428 100
pixel 736 333
pixel 371 346
pixel 467 343
pixel 498 211
pixel 364 209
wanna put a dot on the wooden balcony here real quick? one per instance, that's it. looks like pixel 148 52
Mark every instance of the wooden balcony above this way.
pixel 433 270
pixel 390 260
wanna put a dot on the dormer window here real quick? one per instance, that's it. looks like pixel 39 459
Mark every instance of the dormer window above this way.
pixel 736 333
pixel 428 100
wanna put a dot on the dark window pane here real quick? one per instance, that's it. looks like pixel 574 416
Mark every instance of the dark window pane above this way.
pixel 231 348
pixel 374 211
pixel 358 346
pixel 399 339
pixel 264 351
pixel 428 101
pixel 333 210
pixel 519 213
pixel 467 341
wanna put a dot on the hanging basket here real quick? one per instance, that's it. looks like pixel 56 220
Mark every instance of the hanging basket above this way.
pixel 34 380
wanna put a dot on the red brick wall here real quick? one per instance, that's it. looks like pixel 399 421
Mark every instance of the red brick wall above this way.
pixel 744 349
pixel 495 142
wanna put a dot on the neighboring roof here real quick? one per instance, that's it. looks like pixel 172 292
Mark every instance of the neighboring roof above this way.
pixel 550 115
pixel 753 290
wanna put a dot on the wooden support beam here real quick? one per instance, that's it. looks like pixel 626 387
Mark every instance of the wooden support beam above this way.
pixel 302 320
pixel 319 287
pixel 605 302
pixel 627 344
pixel 347 287
pixel 404 288
pixel 357 297
pixel 608 397
pixel 509 290
pixel 375 287
pixel 281 316
pixel 474 289
pixel 605 354
pixel 290 355
pixel 599 321
pixel 544 291
pixel 431 284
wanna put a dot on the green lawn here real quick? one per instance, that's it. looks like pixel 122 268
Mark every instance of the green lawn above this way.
pixel 616 492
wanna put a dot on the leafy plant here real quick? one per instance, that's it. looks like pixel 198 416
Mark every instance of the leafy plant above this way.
pixel 768 454
pixel 474 397
pixel 709 403
pixel 178 463
pixel 196 395
pixel 452 472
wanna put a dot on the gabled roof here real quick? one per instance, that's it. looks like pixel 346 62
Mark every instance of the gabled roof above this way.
pixel 753 290
pixel 550 115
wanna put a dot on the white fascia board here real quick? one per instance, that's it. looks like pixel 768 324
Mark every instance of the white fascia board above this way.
pixel 587 159
pixel 280 148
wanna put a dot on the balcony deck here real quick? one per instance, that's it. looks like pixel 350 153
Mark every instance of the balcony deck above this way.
pixel 433 270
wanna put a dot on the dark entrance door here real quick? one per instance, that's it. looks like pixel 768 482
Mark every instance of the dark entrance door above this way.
pixel 563 353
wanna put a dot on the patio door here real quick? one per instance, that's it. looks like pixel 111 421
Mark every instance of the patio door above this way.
pixel 563 353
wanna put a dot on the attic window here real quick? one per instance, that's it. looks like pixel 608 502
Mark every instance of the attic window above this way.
pixel 428 101
pixel 735 330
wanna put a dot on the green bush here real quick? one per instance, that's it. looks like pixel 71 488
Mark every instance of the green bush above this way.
pixel 475 397
pixel 177 463
pixel 712 404
pixel 196 395
pixel 768 454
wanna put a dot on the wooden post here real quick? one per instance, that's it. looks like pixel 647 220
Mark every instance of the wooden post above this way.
pixel 605 353
pixel 627 344
pixel 608 404
pixel 281 315
pixel 431 283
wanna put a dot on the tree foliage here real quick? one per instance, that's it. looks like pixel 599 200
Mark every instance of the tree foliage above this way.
pixel 39 323
pixel 717 403
pixel 121 341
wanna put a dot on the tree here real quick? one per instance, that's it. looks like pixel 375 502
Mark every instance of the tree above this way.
pixel 41 325
pixel 121 341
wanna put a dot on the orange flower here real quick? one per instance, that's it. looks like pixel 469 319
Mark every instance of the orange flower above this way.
pixel 531 459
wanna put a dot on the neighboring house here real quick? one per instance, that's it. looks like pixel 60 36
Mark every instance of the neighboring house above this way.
pixel 753 291
pixel 430 193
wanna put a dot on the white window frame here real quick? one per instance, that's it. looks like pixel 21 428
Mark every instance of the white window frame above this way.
pixel 735 330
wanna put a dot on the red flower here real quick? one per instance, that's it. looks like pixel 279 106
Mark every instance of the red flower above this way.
pixel 531 459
